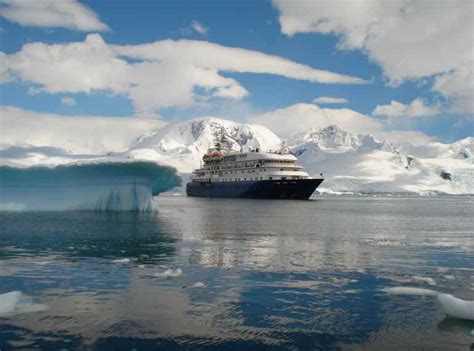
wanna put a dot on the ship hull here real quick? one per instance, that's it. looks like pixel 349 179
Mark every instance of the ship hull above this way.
pixel 300 189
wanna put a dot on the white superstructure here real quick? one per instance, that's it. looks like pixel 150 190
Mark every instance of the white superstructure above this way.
pixel 230 166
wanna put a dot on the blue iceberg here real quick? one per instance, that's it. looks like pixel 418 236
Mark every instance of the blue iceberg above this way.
pixel 99 185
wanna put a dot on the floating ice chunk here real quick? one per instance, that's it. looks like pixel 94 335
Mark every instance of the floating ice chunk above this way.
pixel 457 308
pixel 121 260
pixel 169 273
pixel 428 280
pixel 15 302
pixel 449 277
pixel 141 266
pixel 401 290
pixel 199 285
pixel 453 306
pixel 339 281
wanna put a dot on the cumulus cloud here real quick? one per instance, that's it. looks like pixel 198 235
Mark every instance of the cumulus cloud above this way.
pixel 290 120
pixel 294 119
pixel 416 108
pixel 199 27
pixel 330 100
pixel 68 100
pixel 77 134
pixel 408 39
pixel 404 136
pixel 4 70
pixel 162 74
pixel 458 85
pixel 75 67
pixel 52 14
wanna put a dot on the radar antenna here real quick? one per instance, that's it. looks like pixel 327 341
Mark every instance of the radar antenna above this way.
pixel 284 148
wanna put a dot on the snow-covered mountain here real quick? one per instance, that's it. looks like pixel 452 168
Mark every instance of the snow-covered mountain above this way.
pixel 183 144
pixel 361 163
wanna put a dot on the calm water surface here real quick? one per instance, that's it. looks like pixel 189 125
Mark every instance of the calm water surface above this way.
pixel 291 275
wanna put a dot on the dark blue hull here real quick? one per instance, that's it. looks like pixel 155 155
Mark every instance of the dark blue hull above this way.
pixel 259 189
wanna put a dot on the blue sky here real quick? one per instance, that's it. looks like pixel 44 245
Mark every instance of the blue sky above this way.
pixel 256 26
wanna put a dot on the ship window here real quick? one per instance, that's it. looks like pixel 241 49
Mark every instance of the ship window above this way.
pixel 270 178
pixel 245 178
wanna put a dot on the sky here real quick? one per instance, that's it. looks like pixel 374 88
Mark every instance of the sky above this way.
pixel 401 70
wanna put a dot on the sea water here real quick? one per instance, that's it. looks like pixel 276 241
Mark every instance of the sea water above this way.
pixel 216 274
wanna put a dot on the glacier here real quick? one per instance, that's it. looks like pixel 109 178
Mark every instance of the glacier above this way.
pixel 102 185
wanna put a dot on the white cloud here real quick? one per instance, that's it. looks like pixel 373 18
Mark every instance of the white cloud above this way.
pixel 404 136
pixel 415 108
pixel 408 39
pixel 199 27
pixel 230 59
pixel 293 119
pixel 163 74
pixel 5 76
pixel 52 14
pixel 458 85
pixel 290 120
pixel 68 100
pixel 77 134
pixel 330 100
pixel 76 67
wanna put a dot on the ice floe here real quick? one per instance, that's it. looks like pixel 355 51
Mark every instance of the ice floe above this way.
pixel 428 280
pixel 401 290
pixel 15 302
pixel 199 285
pixel 453 306
pixel 457 308
pixel 121 260
pixel 169 273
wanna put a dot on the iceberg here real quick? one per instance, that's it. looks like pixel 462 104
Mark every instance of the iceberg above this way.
pixel 100 185
pixel 15 302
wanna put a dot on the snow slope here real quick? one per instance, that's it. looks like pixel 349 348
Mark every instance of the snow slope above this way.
pixel 183 144
pixel 360 163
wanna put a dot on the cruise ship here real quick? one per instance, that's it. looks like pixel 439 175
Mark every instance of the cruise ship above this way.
pixel 253 174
